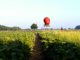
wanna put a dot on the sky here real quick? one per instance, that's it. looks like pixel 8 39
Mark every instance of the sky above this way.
pixel 23 13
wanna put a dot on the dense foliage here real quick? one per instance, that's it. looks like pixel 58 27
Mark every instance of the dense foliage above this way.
pixel 14 50
pixel 2 27
pixel 62 51
pixel 60 45
pixel 34 26
pixel 77 27
pixel 16 45
pixel 55 44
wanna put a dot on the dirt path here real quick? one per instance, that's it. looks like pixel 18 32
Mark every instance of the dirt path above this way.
pixel 37 52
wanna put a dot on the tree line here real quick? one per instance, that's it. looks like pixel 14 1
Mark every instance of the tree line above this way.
pixel 33 26
pixel 2 27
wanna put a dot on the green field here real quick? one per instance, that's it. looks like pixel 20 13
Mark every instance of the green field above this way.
pixel 55 44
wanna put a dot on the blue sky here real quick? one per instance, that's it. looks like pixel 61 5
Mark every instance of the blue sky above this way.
pixel 22 13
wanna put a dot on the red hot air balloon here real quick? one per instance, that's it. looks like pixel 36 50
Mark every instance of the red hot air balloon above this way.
pixel 47 21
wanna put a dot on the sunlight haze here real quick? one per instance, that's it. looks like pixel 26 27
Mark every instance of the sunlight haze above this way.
pixel 22 13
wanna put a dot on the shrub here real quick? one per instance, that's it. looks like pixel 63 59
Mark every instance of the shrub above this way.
pixel 77 27
pixel 14 50
pixel 62 51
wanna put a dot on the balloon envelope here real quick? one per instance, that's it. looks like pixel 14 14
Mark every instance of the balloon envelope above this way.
pixel 46 21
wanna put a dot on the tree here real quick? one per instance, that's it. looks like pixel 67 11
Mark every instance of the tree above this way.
pixel 34 26
pixel 2 27
pixel 15 28
pixel 77 27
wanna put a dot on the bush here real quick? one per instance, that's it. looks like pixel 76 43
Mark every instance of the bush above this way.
pixel 77 27
pixel 62 51
pixel 14 50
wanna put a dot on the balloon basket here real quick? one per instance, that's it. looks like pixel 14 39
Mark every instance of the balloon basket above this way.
pixel 47 27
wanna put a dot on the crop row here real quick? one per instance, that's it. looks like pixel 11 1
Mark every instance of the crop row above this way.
pixel 16 45
pixel 60 45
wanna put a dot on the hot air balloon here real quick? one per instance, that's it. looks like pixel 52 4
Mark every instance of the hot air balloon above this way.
pixel 46 21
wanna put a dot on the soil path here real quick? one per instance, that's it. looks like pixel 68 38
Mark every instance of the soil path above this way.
pixel 37 50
